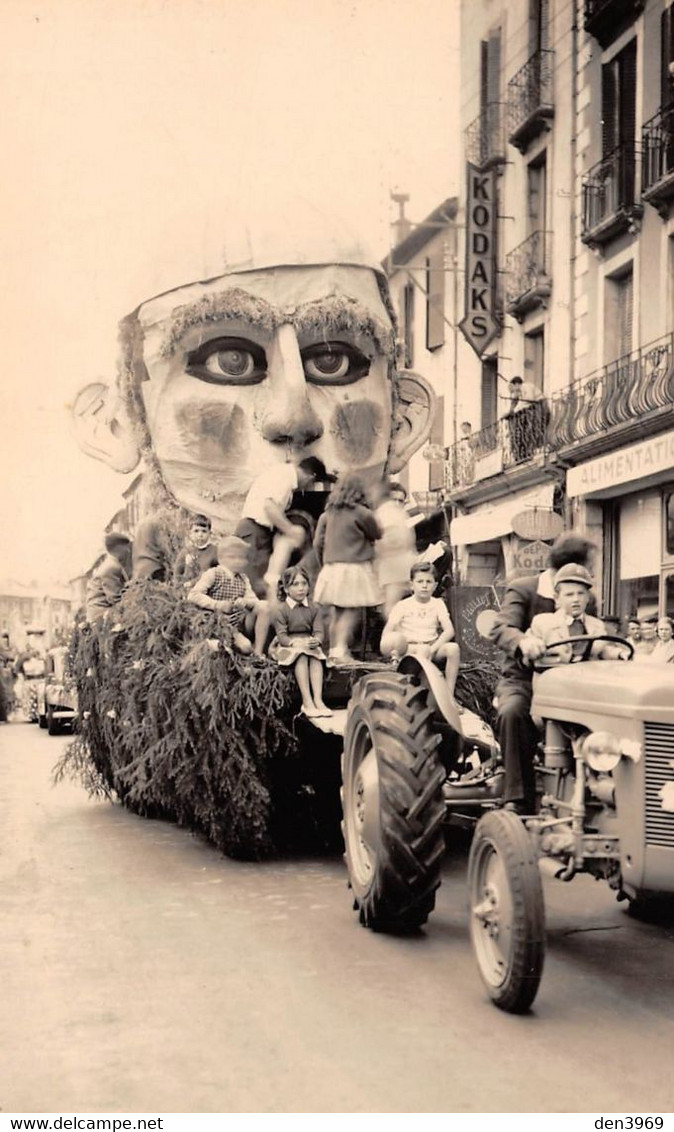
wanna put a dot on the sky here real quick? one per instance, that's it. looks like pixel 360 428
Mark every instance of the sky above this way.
pixel 126 127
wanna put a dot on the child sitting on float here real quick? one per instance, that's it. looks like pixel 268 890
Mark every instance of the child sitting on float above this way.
pixel 227 589
pixel 299 640
pixel 421 625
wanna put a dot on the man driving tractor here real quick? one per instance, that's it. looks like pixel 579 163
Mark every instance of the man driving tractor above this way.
pixel 523 600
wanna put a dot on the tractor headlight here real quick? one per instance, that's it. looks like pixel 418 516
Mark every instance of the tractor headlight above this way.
pixel 601 750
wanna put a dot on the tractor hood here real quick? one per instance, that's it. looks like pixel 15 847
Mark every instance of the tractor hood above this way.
pixel 608 689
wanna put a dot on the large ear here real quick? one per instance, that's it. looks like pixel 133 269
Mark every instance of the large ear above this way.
pixel 413 418
pixel 103 429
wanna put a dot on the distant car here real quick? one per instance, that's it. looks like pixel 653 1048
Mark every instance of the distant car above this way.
pixel 57 697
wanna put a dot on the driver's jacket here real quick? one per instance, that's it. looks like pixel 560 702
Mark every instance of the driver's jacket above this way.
pixel 553 627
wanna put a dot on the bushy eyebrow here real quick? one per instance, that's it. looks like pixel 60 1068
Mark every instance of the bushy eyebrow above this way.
pixel 231 303
pixel 340 314
pixel 323 318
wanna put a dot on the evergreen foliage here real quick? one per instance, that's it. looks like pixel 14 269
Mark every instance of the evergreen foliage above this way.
pixel 176 724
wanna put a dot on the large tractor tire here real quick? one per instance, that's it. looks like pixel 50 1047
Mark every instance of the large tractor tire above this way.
pixel 507 911
pixel 392 803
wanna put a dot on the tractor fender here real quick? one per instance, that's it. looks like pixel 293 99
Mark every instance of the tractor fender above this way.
pixel 439 697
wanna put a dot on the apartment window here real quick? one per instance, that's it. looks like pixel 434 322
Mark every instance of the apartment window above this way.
pixel 435 300
pixel 534 358
pixel 536 186
pixel 408 325
pixel 618 310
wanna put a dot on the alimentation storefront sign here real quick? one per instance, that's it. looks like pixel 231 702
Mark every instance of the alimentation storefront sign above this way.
pixel 479 326
pixel 618 472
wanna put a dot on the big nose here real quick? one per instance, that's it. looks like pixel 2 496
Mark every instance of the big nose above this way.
pixel 288 417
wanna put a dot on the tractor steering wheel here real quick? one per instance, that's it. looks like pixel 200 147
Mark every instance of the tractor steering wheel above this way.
pixel 587 651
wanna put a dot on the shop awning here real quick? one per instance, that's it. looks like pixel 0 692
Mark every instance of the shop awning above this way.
pixel 492 522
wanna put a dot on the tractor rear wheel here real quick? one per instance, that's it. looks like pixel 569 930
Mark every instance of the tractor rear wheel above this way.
pixel 392 803
pixel 506 909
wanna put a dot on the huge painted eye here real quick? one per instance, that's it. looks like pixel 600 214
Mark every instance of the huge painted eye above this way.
pixel 228 361
pixel 334 363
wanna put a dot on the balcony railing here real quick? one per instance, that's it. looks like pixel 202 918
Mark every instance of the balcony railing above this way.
pixel 610 204
pixel 485 140
pixel 606 19
pixel 657 159
pixel 530 104
pixel 619 394
pixel 528 279
pixel 627 388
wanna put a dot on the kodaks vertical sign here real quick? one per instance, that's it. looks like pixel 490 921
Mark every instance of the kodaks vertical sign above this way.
pixel 479 326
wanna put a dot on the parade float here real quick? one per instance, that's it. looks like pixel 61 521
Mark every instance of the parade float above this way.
pixel 278 357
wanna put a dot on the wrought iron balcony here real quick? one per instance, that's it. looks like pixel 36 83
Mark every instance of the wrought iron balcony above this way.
pixel 485 141
pixel 530 105
pixel 512 440
pixel 610 204
pixel 528 279
pixel 618 394
pixel 657 159
pixel 621 397
pixel 606 19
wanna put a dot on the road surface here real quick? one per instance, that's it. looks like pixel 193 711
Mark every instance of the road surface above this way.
pixel 144 972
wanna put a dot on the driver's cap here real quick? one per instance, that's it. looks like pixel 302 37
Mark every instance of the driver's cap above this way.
pixel 572 572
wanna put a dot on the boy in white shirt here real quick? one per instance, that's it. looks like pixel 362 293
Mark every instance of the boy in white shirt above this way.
pixel 421 625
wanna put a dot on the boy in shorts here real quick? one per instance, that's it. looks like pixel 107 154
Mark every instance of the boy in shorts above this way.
pixel 421 625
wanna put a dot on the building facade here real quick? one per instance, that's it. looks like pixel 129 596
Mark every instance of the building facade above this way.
pixel 422 272
pixel 568 123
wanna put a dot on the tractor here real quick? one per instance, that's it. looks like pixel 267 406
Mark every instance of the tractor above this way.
pixel 413 760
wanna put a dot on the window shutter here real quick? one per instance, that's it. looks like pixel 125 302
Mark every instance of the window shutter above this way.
pixel 539 22
pixel 609 138
pixel 666 57
pixel 625 309
pixel 494 66
pixel 435 301
pixel 627 62
pixel 488 406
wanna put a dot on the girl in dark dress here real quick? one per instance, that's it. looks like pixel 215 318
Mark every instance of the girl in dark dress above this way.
pixel 299 640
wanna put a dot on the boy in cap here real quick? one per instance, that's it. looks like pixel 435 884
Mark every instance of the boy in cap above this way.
pixel 199 553
pixel 573 587
pixel 227 589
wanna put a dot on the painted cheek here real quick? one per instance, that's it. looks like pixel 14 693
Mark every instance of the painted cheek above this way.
pixel 211 431
pixel 356 427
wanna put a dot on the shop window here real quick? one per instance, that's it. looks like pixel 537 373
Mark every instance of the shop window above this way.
pixel 669 523
pixel 639 556
pixel 668 596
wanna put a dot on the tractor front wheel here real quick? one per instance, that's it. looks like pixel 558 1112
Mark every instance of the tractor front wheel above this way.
pixel 392 803
pixel 507 913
